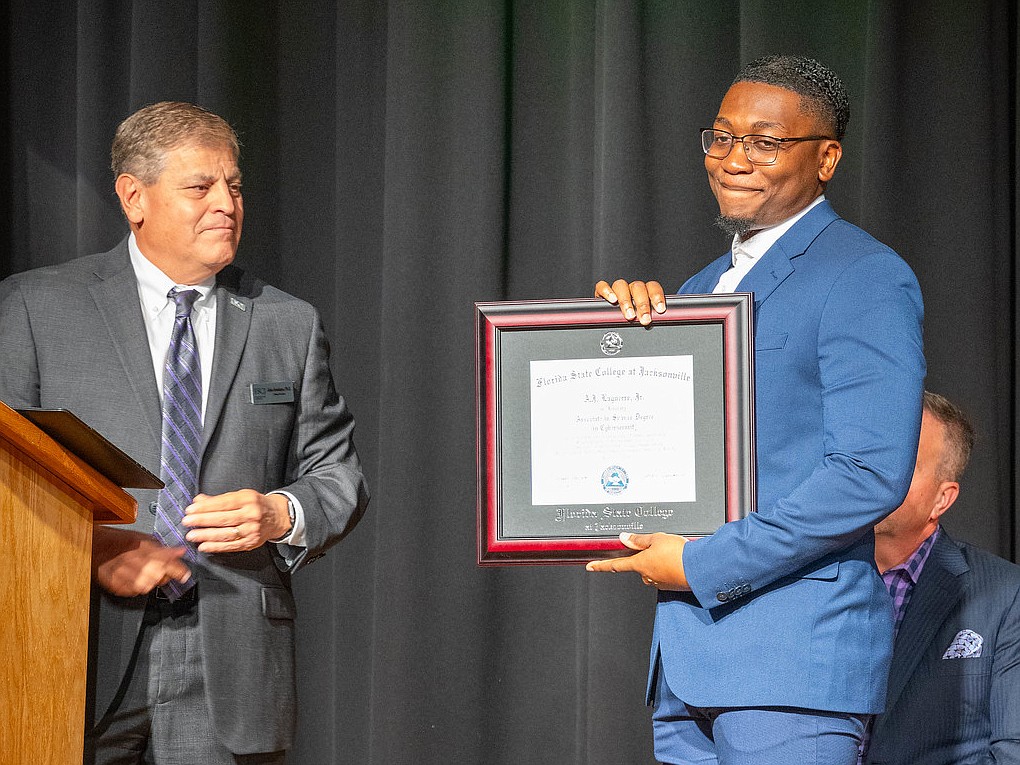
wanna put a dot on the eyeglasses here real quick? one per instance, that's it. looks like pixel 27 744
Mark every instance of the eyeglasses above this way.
pixel 759 149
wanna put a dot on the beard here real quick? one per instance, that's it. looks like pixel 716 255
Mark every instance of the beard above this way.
pixel 734 226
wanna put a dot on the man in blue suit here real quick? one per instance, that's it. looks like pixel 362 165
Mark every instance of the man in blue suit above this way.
pixel 773 636
pixel 954 686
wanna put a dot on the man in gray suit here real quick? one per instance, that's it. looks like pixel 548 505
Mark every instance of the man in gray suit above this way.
pixel 193 636
pixel 954 684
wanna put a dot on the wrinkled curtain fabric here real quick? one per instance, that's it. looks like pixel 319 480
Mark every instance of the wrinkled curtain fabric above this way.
pixel 404 159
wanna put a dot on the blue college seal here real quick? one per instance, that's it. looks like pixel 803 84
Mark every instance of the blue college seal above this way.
pixel 614 479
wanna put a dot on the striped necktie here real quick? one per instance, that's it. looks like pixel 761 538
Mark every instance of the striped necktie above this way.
pixel 182 434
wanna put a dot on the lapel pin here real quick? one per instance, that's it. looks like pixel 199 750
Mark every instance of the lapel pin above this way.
pixel 237 304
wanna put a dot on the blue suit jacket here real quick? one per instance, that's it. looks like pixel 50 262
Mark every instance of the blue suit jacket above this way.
pixel 787 607
pixel 960 711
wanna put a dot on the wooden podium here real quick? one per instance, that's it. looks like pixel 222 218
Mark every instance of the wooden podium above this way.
pixel 49 500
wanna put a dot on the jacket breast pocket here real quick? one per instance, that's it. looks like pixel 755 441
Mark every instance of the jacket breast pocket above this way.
pixel 973 665
pixel 770 341
pixel 268 420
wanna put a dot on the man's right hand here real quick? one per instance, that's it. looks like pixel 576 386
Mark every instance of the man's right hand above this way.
pixel 129 563
pixel 636 299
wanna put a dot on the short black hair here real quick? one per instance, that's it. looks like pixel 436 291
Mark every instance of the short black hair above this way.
pixel 822 92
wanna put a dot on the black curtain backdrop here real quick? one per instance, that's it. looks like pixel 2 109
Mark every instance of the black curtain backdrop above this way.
pixel 403 159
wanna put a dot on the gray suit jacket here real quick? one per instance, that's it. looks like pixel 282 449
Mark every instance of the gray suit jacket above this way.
pixel 72 336
pixel 955 711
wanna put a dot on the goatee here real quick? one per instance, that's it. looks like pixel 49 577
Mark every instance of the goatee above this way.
pixel 734 226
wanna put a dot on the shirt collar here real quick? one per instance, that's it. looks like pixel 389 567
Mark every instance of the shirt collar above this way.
pixel 153 284
pixel 913 565
pixel 757 245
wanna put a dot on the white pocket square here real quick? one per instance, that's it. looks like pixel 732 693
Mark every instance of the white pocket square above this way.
pixel 966 645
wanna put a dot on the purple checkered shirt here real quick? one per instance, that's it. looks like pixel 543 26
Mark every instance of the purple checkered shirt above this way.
pixel 901 580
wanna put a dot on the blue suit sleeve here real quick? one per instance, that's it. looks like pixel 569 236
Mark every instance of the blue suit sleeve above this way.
pixel 870 373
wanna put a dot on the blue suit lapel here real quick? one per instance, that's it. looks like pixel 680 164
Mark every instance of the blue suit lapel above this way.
pixel 777 263
pixel 767 274
pixel 934 596
pixel 703 282
pixel 233 319
pixel 116 296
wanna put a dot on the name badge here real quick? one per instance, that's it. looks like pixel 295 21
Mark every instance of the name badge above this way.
pixel 272 392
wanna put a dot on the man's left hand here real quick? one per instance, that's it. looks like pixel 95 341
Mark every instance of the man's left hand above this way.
pixel 236 521
pixel 659 560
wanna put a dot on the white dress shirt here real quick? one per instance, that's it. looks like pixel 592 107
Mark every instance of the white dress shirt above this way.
pixel 746 252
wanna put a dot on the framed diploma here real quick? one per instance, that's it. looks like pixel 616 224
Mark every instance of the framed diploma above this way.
pixel 589 425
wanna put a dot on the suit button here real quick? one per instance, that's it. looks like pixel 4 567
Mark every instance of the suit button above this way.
pixel 152 508
pixel 722 597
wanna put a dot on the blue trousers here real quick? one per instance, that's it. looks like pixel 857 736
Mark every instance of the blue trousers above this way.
pixel 686 734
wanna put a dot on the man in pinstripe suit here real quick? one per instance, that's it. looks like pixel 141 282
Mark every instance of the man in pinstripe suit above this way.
pixel 954 685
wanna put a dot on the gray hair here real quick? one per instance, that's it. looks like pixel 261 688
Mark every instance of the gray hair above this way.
pixel 959 440
pixel 142 140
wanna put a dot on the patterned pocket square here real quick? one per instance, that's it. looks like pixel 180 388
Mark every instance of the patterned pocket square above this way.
pixel 966 645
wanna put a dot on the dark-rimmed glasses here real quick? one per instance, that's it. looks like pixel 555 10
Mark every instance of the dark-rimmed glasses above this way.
pixel 759 149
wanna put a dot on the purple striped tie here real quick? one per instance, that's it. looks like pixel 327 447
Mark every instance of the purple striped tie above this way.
pixel 182 434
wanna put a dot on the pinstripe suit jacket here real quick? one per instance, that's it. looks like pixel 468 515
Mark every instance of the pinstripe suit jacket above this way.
pixel 73 336
pixel 961 711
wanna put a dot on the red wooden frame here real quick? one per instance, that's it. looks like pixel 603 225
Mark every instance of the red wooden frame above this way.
pixel 732 311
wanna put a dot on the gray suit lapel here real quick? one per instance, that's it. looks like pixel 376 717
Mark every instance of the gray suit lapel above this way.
pixel 116 296
pixel 935 595
pixel 233 319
